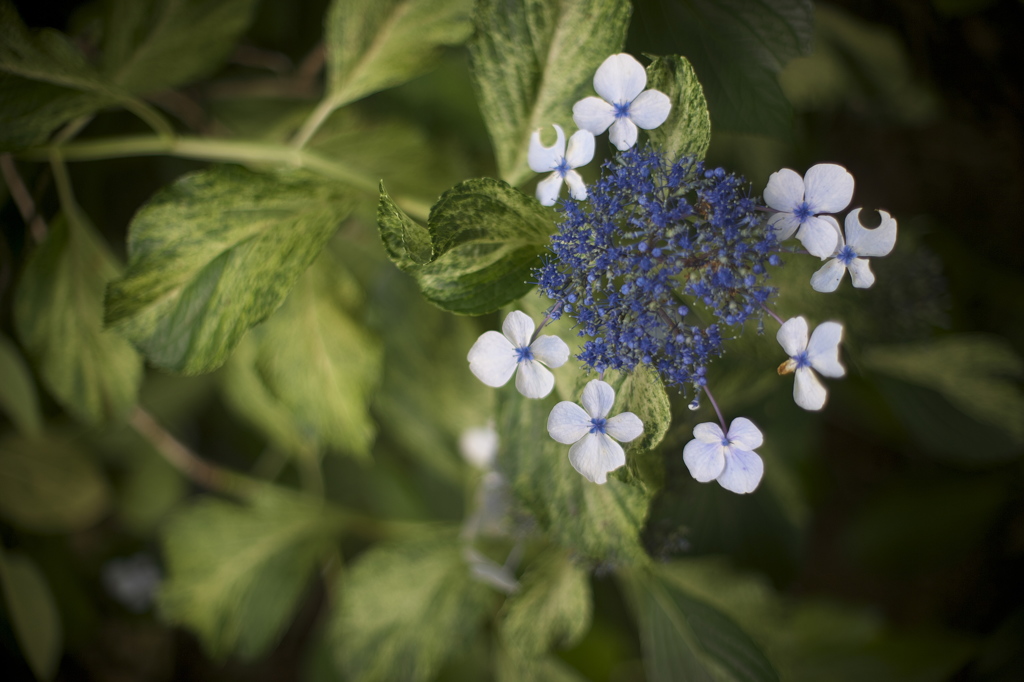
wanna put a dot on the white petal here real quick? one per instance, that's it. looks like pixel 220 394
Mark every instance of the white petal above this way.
pixel 595 455
pixel 840 243
pixel 823 349
pixel 785 190
pixel 492 359
pixel 828 188
pixel 542 159
pixel 624 427
pixel 623 134
pixel 868 242
pixel 598 398
pixel 860 272
pixel 568 422
pixel 784 224
pixel 479 446
pixel 708 432
pixel 518 328
pixel 704 460
pixel 620 78
pixel 593 114
pixel 550 350
pixel 534 380
pixel 577 188
pixel 650 109
pixel 548 189
pixel 808 391
pixel 792 336
pixel 581 149
pixel 743 471
pixel 743 432
pixel 827 277
pixel 818 236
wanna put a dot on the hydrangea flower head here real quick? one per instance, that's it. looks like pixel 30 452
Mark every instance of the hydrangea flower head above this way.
pixel 623 103
pixel 664 259
pixel 728 458
pixel 861 242
pixel 495 357
pixel 827 188
pixel 819 354
pixel 561 161
pixel 592 432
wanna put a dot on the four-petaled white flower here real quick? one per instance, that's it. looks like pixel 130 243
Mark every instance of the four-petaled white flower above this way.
pixel 728 458
pixel 562 161
pixel 590 431
pixel 827 188
pixel 495 357
pixel 861 242
pixel 620 81
pixel 820 354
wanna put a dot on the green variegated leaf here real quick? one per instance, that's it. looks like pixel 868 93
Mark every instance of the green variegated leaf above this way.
pixel 405 608
pixel 214 254
pixel 642 393
pixel 17 391
pixel 32 613
pixel 553 608
pixel 688 128
pixel 532 60
pixel 33 110
pixel 58 309
pixel 406 241
pixel 376 44
pixel 235 573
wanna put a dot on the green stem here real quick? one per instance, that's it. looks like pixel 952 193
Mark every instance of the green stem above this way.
pixel 313 123
pixel 153 118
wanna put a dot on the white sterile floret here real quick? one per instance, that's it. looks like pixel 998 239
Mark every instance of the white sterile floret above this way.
pixel 495 357
pixel 623 103
pixel 861 242
pixel 590 431
pixel 819 354
pixel 727 458
pixel 479 446
pixel 827 188
pixel 560 160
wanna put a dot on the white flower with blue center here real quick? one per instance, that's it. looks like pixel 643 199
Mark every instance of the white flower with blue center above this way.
pixel 727 458
pixel 819 354
pixel 562 161
pixel 590 431
pixel 495 357
pixel 827 188
pixel 861 242
pixel 623 103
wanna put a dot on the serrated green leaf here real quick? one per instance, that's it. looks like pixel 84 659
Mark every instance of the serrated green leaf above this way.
pixel 685 638
pixel 553 608
pixel 49 486
pixel 18 395
pixel 405 608
pixel 687 132
pixel 530 71
pixel 235 573
pixel 213 255
pixel 376 44
pixel 643 393
pixel 58 311
pixel 32 612
pixel 486 238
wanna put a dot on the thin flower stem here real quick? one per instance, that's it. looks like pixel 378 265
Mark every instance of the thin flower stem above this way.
pixel 315 120
pixel 153 118
pixel 772 313
pixel 22 198
pixel 714 404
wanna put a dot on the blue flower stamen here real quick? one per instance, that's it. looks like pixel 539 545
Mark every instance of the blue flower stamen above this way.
pixel 622 110
pixel 523 354
pixel 598 424
pixel 803 212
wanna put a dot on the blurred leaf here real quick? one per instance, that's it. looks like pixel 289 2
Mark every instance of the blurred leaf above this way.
pixel 235 573
pixel 486 238
pixel 736 47
pixel 553 608
pixel 58 310
pixel 17 391
pixel 532 61
pixel 33 613
pixel 213 255
pixel 685 638
pixel 148 491
pixel 687 132
pixel 405 608
pixel 544 669
pixel 376 44
pixel 152 45
pixel 48 486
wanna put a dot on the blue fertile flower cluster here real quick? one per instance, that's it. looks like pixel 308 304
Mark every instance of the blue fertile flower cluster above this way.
pixel 663 260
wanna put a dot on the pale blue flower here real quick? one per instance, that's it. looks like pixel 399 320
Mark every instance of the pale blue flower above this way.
pixel 861 242
pixel 561 161
pixel 818 354
pixel 623 103
pixel 727 458
pixel 827 188
pixel 495 357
